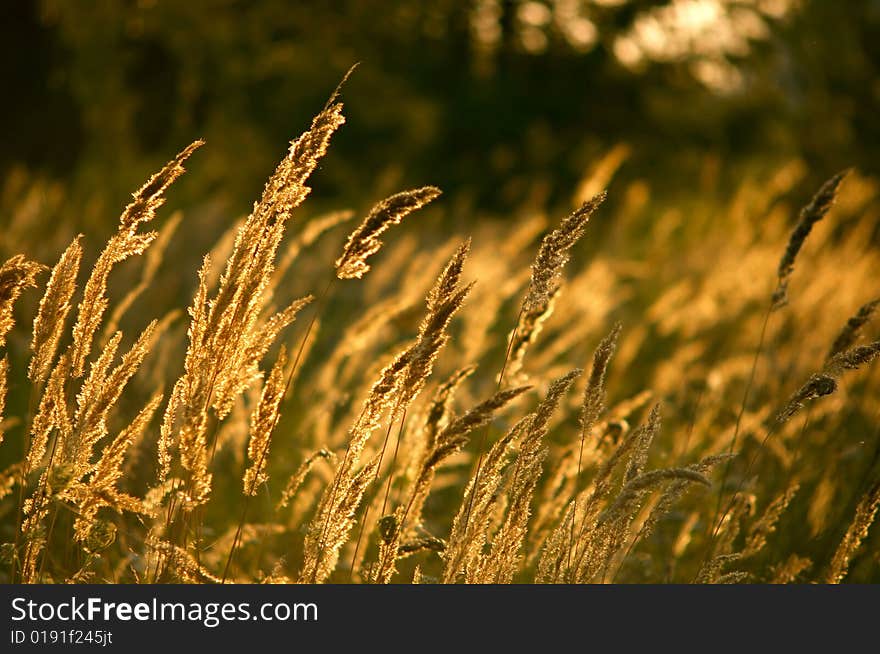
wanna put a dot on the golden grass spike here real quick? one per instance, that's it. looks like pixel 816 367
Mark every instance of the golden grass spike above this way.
pixel 866 511
pixel 16 274
pixel 712 572
pixel 545 282
pixel 88 414
pixel 591 554
pixel 228 334
pixel 448 442
pixel 243 365
pixel 554 253
pixel 122 245
pixel 52 314
pixel 853 358
pixel 819 385
pixel 825 381
pixel 93 304
pixel 101 484
pixel 100 393
pixel 756 538
pixel 364 241
pixel 444 299
pixel 51 414
pixel 527 330
pixel 853 328
pixel 435 418
pixel 182 564
pixel 167 431
pixel 594 393
pixel 334 517
pixel 472 525
pixel 467 538
pixel 193 448
pixel 152 261
pixel 742 505
pixel 263 421
pixel 676 489
pixel 815 211
pixel 639 456
pixel 299 477
pixel 623 453
pixel 593 406
pixel 334 521
pixel 644 483
pixel 614 526
pixel 256 242
pixel 148 198
pixel 451 440
pixel 437 413
pixel 558 387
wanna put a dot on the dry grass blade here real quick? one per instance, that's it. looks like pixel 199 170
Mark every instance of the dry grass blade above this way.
pixel 229 334
pixel 334 516
pixel 593 406
pixel 469 533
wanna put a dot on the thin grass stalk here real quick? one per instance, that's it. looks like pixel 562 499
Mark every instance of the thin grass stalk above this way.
pixel 290 376
pixel 716 524
pixel 742 409
pixel 38 503
pixel 363 521
pixel 481 449
pixel 322 541
pixel 24 471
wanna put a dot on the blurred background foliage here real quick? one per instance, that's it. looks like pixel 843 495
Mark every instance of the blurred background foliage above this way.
pixel 499 102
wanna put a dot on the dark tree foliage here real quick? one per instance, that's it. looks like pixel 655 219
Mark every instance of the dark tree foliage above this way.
pixel 128 82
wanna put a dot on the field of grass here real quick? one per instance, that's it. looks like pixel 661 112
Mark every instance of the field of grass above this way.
pixel 613 391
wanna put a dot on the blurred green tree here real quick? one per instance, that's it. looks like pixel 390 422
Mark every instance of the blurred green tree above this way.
pixel 463 94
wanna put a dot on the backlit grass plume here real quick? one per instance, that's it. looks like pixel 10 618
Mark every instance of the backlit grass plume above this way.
pixel 364 241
